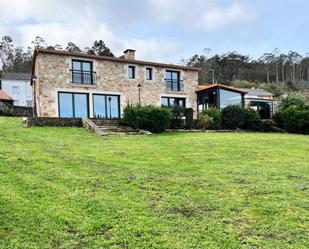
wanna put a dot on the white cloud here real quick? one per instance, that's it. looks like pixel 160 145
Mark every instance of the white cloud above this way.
pixel 119 24
pixel 222 17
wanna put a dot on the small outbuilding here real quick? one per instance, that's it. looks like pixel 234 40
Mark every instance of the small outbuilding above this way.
pixel 261 101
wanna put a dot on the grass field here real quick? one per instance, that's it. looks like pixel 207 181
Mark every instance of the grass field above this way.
pixel 69 188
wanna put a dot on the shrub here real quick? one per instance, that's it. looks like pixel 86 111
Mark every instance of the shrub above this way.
pixel 151 118
pixel 189 118
pixel 232 117
pixel 5 111
pixel 292 99
pixel 204 121
pixel 177 115
pixel 216 116
pixel 267 125
pixel 252 120
pixel 293 119
pixel 278 118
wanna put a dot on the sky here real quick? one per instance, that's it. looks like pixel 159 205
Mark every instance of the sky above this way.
pixel 162 30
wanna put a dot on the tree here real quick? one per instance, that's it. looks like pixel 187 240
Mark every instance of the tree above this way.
pixel 38 42
pixel 71 47
pixel 99 48
pixel 267 59
pixel 276 61
pixel 6 52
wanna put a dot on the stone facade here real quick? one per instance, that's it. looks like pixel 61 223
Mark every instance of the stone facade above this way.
pixel 53 76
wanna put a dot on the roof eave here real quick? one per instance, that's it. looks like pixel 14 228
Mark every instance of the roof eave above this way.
pixel 122 60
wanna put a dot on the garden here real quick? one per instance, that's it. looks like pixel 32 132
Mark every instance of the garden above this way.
pixel 292 116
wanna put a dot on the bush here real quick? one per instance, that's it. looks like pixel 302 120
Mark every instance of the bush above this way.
pixel 267 125
pixel 5 111
pixel 252 120
pixel 204 122
pixel 292 99
pixel 232 117
pixel 151 118
pixel 216 116
pixel 177 115
pixel 293 119
pixel 278 118
pixel 189 118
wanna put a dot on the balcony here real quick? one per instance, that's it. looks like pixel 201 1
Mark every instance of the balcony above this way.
pixel 83 77
pixel 173 85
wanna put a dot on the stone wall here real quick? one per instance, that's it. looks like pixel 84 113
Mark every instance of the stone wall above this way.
pixel 112 78
pixel 62 122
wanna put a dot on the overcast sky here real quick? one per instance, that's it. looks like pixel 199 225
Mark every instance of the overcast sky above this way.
pixel 162 30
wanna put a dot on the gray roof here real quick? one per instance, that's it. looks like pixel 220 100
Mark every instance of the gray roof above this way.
pixel 257 92
pixel 16 76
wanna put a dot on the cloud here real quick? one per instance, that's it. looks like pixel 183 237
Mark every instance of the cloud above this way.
pixel 223 17
pixel 121 25
pixel 59 22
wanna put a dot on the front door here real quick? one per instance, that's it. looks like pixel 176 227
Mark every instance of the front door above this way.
pixel 106 106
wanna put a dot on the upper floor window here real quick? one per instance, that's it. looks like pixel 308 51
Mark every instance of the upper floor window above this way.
pixel 148 73
pixel 15 90
pixel 82 72
pixel 131 72
pixel 172 79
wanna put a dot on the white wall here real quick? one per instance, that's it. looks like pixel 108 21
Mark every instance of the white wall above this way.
pixel 19 90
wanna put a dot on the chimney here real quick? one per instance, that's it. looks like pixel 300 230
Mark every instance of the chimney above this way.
pixel 129 54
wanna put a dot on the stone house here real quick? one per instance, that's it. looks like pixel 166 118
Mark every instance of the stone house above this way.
pixel 67 84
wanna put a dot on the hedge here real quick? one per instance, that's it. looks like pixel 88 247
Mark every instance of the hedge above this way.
pixel 293 120
pixel 152 118
pixel 233 117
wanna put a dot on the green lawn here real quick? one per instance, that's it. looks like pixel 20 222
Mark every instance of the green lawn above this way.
pixel 69 188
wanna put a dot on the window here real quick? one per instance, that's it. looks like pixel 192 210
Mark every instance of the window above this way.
pixel 131 72
pixel 229 98
pixel 73 105
pixel 106 106
pixel 82 72
pixel 264 108
pixel 29 103
pixel 15 90
pixel 172 79
pixel 168 101
pixel 148 73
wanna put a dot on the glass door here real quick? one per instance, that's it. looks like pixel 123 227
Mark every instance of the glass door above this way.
pixel 106 106
pixel 73 105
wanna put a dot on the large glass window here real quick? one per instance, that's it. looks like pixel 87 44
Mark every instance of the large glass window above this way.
pixel 106 106
pixel 80 105
pixel 172 79
pixel 73 105
pixel 229 98
pixel 82 72
pixel 168 101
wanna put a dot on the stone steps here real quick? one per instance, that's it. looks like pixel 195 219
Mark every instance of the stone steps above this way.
pixel 110 127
